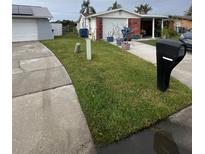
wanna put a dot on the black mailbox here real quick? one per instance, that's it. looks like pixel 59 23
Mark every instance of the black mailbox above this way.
pixel 169 54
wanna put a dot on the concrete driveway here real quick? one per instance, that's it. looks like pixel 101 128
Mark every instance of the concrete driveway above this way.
pixel 47 117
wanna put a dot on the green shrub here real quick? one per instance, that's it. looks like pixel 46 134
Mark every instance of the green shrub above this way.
pixel 168 33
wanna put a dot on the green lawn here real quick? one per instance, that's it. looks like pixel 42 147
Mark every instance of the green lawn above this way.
pixel 150 42
pixel 117 90
pixel 153 42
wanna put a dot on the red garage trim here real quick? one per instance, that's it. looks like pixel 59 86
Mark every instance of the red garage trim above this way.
pixel 99 28
pixel 135 24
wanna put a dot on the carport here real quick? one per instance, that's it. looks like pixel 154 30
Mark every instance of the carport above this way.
pixel 151 27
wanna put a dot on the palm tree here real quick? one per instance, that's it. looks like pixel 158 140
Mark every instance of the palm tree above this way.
pixel 143 8
pixel 189 11
pixel 114 6
pixel 86 9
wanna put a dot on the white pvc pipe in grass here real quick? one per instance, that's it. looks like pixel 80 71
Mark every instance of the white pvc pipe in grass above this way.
pixel 88 48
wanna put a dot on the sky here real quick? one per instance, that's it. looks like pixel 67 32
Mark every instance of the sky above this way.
pixel 69 9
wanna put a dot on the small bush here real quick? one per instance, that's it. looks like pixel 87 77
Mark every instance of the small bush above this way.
pixel 168 33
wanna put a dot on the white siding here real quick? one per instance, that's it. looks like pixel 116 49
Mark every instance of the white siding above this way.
pixel 83 23
pixel 44 30
pixel 93 27
pixel 119 14
pixel 57 29
pixel 90 24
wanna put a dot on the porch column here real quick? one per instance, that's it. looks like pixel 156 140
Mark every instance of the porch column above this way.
pixel 153 27
pixel 162 24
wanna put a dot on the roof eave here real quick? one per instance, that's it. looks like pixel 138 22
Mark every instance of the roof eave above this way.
pixel 107 12
pixel 154 16
pixel 122 9
pixel 18 16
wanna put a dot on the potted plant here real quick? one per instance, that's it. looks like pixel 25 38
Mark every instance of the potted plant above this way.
pixel 110 37
pixel 125 45
pixel 126 31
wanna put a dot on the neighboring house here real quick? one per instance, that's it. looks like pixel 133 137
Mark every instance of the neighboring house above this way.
pixel 101 24
pixel 30 23
pixel 57 29
pixel 180 23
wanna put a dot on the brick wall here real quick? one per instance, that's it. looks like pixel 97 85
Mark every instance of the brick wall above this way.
pixel 135 24
pixel 186 24
pixel 99 28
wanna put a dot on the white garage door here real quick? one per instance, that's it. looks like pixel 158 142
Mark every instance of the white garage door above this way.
pixel 24 30
pixel 109 24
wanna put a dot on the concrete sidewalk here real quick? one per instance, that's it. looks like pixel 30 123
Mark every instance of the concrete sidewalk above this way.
pixel 47 117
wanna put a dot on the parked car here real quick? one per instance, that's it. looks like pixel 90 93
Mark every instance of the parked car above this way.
pixel 186 38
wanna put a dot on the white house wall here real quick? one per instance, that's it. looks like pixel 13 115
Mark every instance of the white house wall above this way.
pixel 83 23
pixel 57 27
pixel 119 14
pixel 44 29
pixel 93 27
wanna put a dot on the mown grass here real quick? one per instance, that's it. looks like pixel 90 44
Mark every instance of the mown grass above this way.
pixel 153 42
pixel 117 90
pixel 150 42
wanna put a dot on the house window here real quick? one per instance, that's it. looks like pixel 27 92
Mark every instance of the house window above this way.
pixel 178 25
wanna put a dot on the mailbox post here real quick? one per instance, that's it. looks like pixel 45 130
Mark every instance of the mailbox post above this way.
pixel 169 54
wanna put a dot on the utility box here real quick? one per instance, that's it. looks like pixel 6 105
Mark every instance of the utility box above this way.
pixel 57 29
pixel 83 32
pixel 169 54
